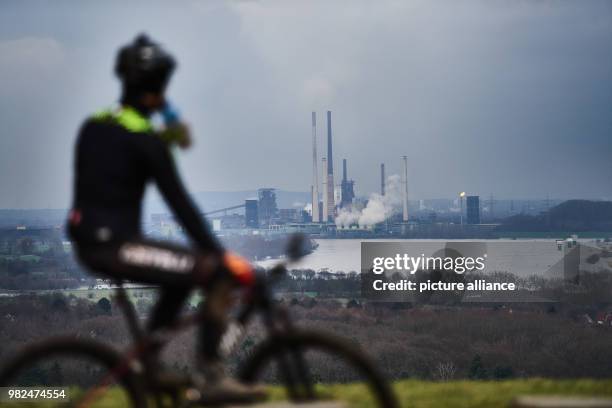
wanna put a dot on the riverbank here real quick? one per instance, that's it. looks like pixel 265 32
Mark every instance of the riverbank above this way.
pixel 522 257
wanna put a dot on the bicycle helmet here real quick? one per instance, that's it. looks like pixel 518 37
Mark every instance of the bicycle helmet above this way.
pixel 144 66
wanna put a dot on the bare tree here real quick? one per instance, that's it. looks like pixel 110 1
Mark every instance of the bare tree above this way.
pixel 445 371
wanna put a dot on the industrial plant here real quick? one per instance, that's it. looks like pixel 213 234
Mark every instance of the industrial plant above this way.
pixel 338 211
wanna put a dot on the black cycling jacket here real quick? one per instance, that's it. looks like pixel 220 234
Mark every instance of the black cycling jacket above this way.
pixel 113 164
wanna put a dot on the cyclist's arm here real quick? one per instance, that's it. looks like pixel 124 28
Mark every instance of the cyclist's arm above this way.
pixel 171 186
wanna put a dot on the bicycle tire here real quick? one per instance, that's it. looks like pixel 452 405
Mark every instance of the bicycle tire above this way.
pixel 74 348
pixel 314 340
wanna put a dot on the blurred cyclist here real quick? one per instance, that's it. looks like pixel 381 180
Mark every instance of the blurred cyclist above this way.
pixel 118 152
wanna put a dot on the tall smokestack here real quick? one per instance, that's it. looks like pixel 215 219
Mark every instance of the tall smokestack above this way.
pixel 331 203
pixel 405 214
pixel 315 173
pixel 330 159
pixel 382 179
pixel 344 170
pixel 324 217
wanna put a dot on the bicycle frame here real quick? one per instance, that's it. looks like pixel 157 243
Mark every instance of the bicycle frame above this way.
pixel 276 320
pixel 261 300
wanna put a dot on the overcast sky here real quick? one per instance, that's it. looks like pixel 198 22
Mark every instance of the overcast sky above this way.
pixel 512 98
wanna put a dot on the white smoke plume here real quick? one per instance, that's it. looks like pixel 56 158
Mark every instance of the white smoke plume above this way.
pixel 378 209
pixel 346 218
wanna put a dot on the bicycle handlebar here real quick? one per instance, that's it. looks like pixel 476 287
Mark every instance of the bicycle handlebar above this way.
pixel 259 295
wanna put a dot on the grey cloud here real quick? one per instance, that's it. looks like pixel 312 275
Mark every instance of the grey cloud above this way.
pixel 503 97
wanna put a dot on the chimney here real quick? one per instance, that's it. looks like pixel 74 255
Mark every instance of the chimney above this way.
pixel 382 179
pixel 331 203
pixel 405 214
pixel 315 175
pixel 324 217
pixel 344 170
pixel 330 159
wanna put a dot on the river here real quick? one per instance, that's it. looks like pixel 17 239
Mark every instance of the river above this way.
pixel 522 257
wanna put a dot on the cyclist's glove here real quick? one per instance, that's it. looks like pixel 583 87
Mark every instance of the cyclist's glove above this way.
pixel 177 133
pixel 239 269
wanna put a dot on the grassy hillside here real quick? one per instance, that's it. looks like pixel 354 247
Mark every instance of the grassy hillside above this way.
pixel 473 394
pixel 421 394
pixel 427 394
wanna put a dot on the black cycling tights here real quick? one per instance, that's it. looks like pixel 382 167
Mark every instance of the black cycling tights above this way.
pixel 175 269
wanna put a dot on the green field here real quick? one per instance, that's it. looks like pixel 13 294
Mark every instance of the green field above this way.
pixel 427 394
pixel 460 394
pixel 463 394
pixel 134 294
pixel 424 394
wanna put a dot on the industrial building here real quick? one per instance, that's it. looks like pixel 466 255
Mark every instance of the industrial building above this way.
pixel 251 213
pixel 473 210
pixel 267 209
pixel 289 215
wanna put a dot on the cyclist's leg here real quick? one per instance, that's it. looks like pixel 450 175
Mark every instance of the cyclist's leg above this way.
pixel 140 261
pixel 217 385
pixel 168 307
pixel 195 270
pixel 176 269
pixel 216 307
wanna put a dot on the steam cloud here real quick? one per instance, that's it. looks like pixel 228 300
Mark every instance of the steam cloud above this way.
pixel 378 209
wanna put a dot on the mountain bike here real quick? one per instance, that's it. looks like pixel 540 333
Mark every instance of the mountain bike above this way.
pixel 305 364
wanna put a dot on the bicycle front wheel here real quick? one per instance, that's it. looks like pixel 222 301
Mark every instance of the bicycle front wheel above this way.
pixel 77 373
pixel 312 366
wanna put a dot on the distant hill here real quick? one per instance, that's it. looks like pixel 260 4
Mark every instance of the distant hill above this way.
pixel 206 200
pixel 42 218
pixel 571 215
